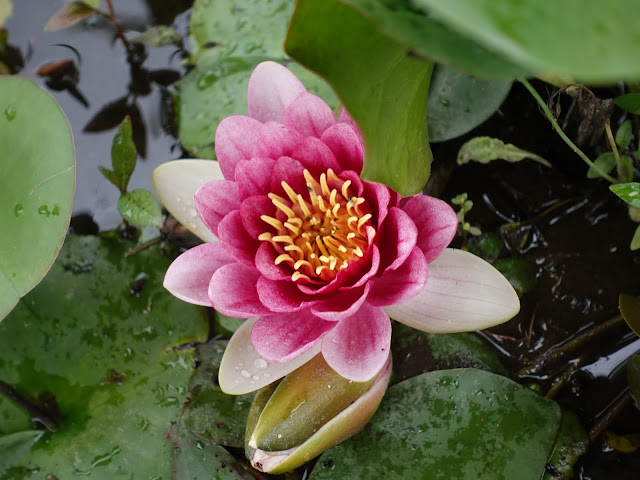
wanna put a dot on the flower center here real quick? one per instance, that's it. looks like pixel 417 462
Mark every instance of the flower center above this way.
pixel 318 236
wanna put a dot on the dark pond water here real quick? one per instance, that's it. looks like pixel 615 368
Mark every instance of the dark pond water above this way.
pixel 580 249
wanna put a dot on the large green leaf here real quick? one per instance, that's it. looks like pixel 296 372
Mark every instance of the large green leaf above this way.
pixel 96 340
pixel 458 103
pixel 579 39
pixel 453 425
pixel 231 38
pixel 37 186
pixel 383 88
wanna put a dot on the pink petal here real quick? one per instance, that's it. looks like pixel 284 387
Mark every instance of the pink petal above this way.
pixel 342 305
pixel 282 296
pixel 276 140
pixel 266 263
pixel 401 284
pixel 379 197
pixel 236 139
pixel 272 87
pixel 290 171
pixel 236 239
pixel 463 293
pixel 315 156
pixel 189 275
pixel 346 145
pixel 253 177
pixel 214 200
pixel 232 292
pixel 436 222
pixel 251 209
pixel 281 338
pixel 358 346
pixel 309 115
pixel 357 186
pixel 397 237
pixel 348 119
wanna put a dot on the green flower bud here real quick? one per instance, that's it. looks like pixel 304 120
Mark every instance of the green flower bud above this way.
pixel 310 410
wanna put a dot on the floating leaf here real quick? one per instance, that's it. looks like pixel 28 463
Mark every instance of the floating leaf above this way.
pixel 630 102
pixel 488 246
pixel 458 103
pixel 384 89
pixel 549 37
pixel 38 183
pixel 605 162
pixel 622 443
pixel 487 149
pixel 209 413
pixel 571 444
pixel 158 36
pixel 226 325
pixel 103 352
pixel 629 192
pixel 520 273
pixel 633 377
pixel 140 208
pixel 70 14
pixel 459 423
pixel 623 135
pixel 630 309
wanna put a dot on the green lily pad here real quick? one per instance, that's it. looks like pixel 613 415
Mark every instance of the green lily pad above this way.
pixel 209 413
pixel 231 38
pixel 38 183
pixel 92 347
pixel 574 38
pixel 572 443
pixel 453 425
pixel 459 103
pixel 520 273
pixel 384 89
pixel 415 352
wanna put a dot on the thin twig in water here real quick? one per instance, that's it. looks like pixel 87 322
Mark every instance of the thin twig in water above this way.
pixel 610 416
pixel 142 246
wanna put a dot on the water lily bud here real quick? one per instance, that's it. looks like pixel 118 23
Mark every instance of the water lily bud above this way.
pixel 310 410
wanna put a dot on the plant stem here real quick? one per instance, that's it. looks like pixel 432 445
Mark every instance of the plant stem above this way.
pixel 564 137
pixel 610 416
pixel 120 34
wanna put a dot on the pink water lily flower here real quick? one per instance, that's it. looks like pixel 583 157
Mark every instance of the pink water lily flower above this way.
pixel 317 258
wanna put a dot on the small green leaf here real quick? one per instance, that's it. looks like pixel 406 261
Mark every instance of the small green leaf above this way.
pixel 633 377
pixel 635 241
pixel 384 89
pixel 487 149
pixel 625 169
pixel 520 273
pixel 458 103
pixel 38 179
pixel 605 162
pixel 630 102
pixel 630 309
pixel 140 208
pixel 124 154
pixel 623 135
pixel 629 192
pixel 226 325
pixel 159 36
pixel 5 10
pixel 70 14
pixel 457 424
pixel 571 444
pixel 488 246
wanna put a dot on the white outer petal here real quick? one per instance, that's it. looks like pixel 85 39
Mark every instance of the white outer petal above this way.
pixel 463 293
pixel 244 370
pixel 176 183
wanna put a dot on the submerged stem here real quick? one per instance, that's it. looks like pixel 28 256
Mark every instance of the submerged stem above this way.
pixel 564 137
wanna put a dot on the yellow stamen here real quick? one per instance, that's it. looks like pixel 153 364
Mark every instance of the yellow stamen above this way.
pixel 283 258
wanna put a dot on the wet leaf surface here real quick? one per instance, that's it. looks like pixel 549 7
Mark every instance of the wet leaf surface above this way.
pixel 571 444
pixel 103 356
pixel 455 424
pixel 37 186
pixel 140 208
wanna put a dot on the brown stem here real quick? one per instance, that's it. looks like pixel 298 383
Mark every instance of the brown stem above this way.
pixel 36 414
pixel 142 246
pixel 610 416
pixel 120 34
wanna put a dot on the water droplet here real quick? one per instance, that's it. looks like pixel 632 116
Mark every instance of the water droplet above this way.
pixel 444 101
pixel 260 363
pixel 279 435
pixel 10 113
pixel 256 378
pixel 245 374
pixel 18 209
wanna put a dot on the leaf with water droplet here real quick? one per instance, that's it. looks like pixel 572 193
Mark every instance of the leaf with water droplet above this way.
pixel 36 197
pixel 68 337
pixel 140 208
